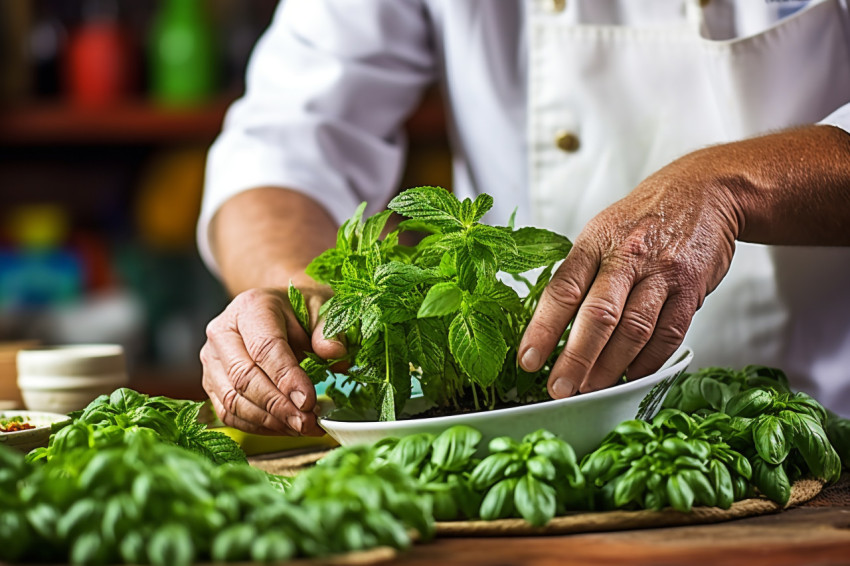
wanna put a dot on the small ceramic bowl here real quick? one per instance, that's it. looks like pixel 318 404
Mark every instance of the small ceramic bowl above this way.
pixel 26 440
pixel 583 420
pixel 61 379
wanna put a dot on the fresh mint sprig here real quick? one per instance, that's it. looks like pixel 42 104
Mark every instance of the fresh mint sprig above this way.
pixel 437 306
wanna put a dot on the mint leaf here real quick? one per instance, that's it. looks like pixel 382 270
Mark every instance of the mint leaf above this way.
pixel 427 343
pixel 387 403
pixel 499 240
pixel 326 267
pixel 442 299
pixel 476 267
pixel 401 277
pixel 299 307
pixel 535 247
pixel 477 345
pixel 370 323
pixel 221 447
pixel 346 237
pixel 341 313
pixel 506 297
pixel 482 204
pixel 372 230
pixel 433 206
pixel 315 367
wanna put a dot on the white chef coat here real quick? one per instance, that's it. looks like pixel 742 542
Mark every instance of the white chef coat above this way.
pixel 331 82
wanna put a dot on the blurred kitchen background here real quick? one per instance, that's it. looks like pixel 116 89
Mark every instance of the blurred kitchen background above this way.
pixel 107 109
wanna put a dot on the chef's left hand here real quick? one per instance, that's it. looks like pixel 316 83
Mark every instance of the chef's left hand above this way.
pixel 634 278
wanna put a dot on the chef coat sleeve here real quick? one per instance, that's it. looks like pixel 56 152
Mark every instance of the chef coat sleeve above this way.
pixel 328 88
pixel 840 119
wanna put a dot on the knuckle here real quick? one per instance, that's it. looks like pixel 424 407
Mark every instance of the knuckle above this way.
pixel 637 326
pixel 228 402
pixel 601 313
pixel 251 296
pixel 277 404
pixel 239 375
pixel 227 419
pixel 204 355
pixel 673 332
pixel 576 358
pixel 213 328
pixel 635 246
pixel 261 347
pixel 564 292
pixel 285 377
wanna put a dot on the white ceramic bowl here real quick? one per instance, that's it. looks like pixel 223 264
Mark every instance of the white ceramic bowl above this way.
pixel 26 440
pixel 583 420
pixel 62 379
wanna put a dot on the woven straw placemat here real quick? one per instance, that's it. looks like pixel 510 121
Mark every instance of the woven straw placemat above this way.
pixel 802 491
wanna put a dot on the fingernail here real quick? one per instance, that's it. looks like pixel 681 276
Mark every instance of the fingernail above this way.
pixel 299 398
pixel 531 360
pixel 294 422
pixel 563 388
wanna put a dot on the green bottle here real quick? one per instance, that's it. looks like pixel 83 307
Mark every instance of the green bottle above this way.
pixel 182 54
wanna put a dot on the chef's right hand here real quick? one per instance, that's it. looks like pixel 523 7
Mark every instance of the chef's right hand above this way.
pixel 250 363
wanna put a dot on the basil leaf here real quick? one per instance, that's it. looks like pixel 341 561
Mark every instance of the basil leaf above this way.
pixel 704 492
pixel 721 481
pixel 630 487
pixel 453 449
pixel 770 440
pixel 411 450
pixel 535 500
pixel 679 493
pixel 541 468
pixel 489 470
pixel 771 480
pixel 749 403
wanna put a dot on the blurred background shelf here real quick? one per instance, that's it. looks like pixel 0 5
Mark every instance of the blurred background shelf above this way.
pixel 132 121
pixel 103 138
pixel 136 121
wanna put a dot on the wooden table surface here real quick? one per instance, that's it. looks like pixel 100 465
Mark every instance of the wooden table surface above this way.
pixel 806 535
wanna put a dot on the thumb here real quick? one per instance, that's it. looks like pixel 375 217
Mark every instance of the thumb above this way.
pixel 327 348
pixel 323 347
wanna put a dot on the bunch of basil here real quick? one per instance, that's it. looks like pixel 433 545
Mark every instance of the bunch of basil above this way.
pixel 784 435
pixel 107 420
pixel 143 501
pixel 532 479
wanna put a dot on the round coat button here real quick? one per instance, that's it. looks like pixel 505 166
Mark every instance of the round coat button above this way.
pixel 567 141
pixel 557 5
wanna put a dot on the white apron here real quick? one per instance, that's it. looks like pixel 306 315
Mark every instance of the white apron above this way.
pixel 636 98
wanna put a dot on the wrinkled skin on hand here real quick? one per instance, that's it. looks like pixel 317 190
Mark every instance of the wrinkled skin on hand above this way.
pixel 250 362
pixel 633 280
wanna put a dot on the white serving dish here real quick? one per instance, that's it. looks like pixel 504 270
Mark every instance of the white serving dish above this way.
pixel 583 420
pixel 26 440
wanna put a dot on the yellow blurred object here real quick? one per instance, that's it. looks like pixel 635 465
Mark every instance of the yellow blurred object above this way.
pixel 255 444
pixel 38 226
pixel 170 198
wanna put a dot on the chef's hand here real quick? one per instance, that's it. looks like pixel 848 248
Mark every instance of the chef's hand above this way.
pixel 633 280
pixel 250 362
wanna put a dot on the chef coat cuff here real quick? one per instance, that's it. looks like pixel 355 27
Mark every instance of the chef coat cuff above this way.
pixel 840 119
pixel 260 167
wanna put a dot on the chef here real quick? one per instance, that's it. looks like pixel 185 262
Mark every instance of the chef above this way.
pixel 696 151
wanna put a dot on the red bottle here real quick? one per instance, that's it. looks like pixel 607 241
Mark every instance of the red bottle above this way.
pixel 99 65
